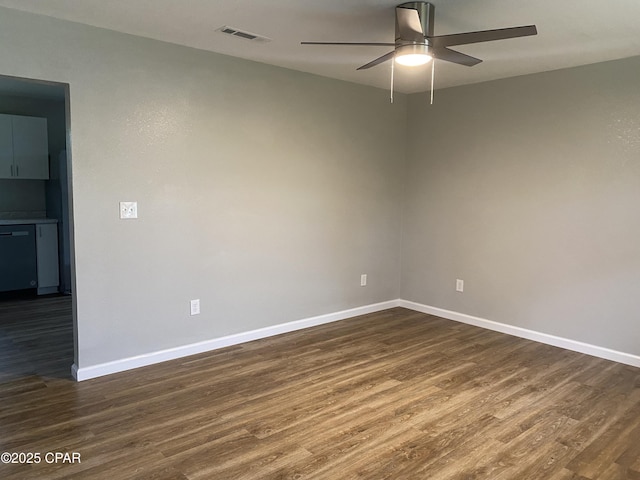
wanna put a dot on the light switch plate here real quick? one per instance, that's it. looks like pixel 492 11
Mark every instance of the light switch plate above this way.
pixel 195 307
pixel 128 210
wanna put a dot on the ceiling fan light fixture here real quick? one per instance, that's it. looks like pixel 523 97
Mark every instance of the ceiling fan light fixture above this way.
pixel 413 55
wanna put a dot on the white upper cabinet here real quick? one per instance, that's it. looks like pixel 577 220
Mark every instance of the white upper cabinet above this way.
pixel 6 147
pixel 24 148
pixel 31 147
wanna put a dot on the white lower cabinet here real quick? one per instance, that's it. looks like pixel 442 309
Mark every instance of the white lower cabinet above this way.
pixel 47 258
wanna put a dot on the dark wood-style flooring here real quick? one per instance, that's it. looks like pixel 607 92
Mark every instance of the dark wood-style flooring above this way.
pixel 391 395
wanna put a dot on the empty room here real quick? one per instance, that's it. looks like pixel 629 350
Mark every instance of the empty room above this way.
pixel 320 240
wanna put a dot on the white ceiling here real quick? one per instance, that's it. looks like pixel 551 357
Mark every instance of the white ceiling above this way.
pixel 570 32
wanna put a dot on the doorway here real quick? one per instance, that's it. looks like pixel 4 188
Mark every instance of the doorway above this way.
pixel 38 325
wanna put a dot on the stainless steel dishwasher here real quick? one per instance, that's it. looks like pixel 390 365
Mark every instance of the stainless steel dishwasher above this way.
pixel 18 268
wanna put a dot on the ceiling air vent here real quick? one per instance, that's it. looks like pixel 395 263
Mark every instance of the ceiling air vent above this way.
pixel 242 34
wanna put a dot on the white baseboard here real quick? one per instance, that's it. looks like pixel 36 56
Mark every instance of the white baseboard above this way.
pixel 574 345
pixel 86 373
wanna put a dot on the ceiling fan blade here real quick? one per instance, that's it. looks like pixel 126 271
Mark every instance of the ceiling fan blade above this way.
pixel 349 43
pixel 443 53
pixel 378 61
pixel 482 36
pixel 409 26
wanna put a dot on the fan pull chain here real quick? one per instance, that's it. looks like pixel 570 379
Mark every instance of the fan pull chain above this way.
pixel 393 64
pixel 433 72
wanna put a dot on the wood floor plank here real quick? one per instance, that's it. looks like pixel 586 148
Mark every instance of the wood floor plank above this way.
pixel 609 443
pixel 390 395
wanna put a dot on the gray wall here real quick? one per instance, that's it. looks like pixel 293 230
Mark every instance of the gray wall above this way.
pixel 22 199
pixel 263 192
pixel 528 189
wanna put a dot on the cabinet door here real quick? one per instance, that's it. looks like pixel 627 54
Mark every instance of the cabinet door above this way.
pixel 47 257
pixel 6 147
pixel 30 147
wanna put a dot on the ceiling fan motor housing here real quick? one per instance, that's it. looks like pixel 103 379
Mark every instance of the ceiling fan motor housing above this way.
pixel 426 12
pixel 413 49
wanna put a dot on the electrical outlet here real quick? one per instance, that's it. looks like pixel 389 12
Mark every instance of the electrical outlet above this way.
pixel 195 307
pixel 128 210
pixel 363 280
pixel 459 285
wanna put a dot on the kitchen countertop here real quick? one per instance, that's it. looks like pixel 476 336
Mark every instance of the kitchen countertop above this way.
pixel 27 221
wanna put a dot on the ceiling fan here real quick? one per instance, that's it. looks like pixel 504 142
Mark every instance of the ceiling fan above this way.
pixel 415 44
